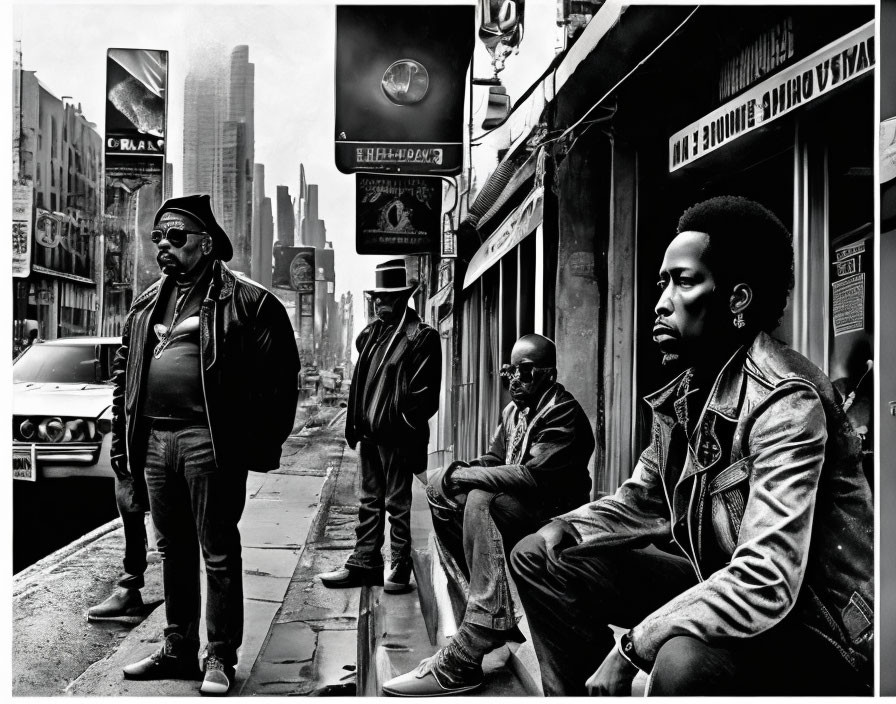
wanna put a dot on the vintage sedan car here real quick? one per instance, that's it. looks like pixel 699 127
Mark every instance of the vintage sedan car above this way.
pixel 62 409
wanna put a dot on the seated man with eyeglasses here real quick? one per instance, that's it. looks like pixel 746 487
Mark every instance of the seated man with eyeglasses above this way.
pixel 536 468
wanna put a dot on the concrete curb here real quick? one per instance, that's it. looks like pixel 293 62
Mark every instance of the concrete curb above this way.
pixel 66 551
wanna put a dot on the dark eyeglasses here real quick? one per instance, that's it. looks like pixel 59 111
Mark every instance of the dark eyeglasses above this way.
pixel 524 371
pixel 175 236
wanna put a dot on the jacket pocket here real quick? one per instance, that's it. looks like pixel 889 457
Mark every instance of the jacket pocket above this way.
pixel 858 618
pixel 728 492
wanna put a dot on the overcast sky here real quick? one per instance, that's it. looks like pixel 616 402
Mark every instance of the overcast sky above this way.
pixel 293 49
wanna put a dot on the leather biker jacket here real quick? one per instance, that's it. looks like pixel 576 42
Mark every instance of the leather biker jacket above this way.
pixel 250 368
pixel 771 507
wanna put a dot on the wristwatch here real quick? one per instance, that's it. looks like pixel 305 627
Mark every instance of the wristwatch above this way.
pixel 627 648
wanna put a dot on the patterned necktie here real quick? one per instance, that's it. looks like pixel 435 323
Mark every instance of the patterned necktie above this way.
pixel 515 446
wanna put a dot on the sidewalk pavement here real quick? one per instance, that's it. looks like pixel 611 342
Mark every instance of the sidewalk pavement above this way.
pixel 299 638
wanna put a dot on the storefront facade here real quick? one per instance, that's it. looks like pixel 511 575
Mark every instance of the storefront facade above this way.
pixel 58 169
pixel 610 148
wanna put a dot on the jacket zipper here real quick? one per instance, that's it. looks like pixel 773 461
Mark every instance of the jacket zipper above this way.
pixel 127 421
pixel 691 533
pixel 208 416
pixel 672 515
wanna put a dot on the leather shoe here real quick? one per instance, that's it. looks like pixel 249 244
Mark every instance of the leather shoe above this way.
pixel 350 576
pixel 172 661
pixel 123 605
pixel 399 579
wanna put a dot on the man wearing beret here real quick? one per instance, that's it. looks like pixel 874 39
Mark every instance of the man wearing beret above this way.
pixel 205 390
pixel 394 393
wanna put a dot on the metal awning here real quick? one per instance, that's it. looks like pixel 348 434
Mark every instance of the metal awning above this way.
pixel 515 228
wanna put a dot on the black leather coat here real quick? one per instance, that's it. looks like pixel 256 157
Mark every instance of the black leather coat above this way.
pixel 250 368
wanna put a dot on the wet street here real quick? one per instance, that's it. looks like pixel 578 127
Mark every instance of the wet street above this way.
pixel 50 514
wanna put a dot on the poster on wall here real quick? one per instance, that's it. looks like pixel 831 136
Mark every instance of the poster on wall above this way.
pixel 22 208
pixel 397 214
pixel 851 328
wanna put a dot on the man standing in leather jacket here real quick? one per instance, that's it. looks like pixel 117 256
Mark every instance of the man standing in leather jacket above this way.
pixel 206 386
pixel 394 393
pixel 739 555
pixel 537 467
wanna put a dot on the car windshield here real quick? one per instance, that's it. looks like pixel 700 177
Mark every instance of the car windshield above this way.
pixel 67 364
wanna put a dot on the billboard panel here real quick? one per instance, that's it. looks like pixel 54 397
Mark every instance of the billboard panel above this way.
pixel 136 107
pixel 397 214
pixel 136 85
pixel 294 268
pixel 400 83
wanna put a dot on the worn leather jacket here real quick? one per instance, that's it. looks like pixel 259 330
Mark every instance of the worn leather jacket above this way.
pixel 771 507
pixel 552 473
pixel 404 391
pixel 250 368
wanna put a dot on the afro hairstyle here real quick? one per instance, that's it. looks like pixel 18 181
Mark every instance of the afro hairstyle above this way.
pixel 747 244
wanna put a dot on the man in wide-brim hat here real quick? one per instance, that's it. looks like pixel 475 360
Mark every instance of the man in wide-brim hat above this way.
pixel 394 393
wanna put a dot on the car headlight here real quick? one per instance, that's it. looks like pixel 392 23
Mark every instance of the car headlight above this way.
pixel 54 429
pixel 77 430
pixel 28 429
pixel 51 430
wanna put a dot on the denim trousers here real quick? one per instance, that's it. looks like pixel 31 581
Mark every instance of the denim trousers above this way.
pixel 195 505
pixel 478 537
pixel 571 595
pixel 386 476
pixel 133 515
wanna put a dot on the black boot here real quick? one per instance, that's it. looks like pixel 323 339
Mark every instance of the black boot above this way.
pixel 175 660
pixel 124 605
pixel 399 579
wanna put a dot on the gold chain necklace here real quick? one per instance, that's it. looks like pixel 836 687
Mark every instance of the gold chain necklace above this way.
pixel 163 333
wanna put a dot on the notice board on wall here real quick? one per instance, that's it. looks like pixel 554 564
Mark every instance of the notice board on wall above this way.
pixel 851 327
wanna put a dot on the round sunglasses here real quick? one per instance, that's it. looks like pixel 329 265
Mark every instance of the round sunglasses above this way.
pixel 524 371
pixel 175 236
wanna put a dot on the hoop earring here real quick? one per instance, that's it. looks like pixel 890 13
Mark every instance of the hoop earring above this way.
pixel 739 321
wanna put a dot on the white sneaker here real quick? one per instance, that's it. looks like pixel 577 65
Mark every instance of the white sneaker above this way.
pixel 218 677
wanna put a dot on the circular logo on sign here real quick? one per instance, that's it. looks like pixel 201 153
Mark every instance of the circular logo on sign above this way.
pixel 48 231
pixel 406 82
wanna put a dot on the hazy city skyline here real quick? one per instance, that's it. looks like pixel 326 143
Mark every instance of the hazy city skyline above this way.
pixel 293 97
pixel 292 48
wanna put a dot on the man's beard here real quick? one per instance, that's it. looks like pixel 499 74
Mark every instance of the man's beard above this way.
pixel 671 359
pixel 525 394
pixel 169 265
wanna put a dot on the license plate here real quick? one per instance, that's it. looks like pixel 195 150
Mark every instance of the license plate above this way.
pixel 24 465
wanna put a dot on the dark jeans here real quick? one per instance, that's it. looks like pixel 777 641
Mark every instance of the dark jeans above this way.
pixel 133 515
pixel 571 596
pixel 193 504
pixel 478 537
pixel 386 477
